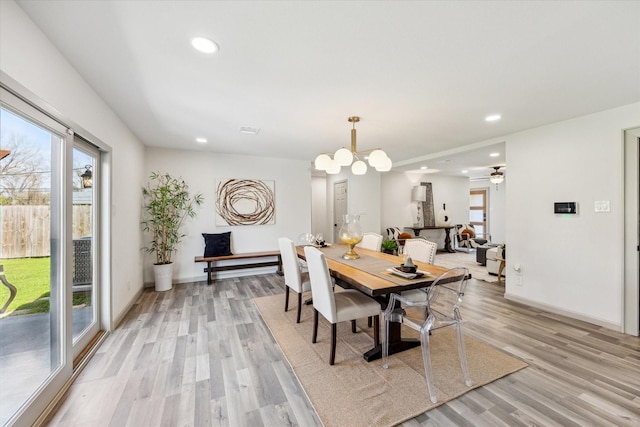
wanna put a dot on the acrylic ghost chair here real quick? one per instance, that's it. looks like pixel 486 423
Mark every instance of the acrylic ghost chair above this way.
pixel 294 278
pixel 371 241
pixel 342 306
pixel 440 310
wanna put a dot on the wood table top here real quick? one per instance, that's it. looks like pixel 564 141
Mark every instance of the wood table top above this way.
pixel 374 285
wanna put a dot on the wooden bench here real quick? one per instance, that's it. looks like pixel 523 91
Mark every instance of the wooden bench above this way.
pixel 211 268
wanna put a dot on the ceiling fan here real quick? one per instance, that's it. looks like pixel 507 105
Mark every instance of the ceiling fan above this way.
pixel 496 177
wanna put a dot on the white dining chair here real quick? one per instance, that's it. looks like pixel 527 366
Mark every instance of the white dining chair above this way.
pixel 423 250
pixel 342 306
pixel 371 241
pixel 294 278
pixel 420 249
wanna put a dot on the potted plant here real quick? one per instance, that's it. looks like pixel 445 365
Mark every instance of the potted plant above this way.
pixel 166 204
pixel 389 246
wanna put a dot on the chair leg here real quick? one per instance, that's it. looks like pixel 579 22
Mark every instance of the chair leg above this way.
pixel 426 359
pixel 385 342
pixel 462 354
pixel 376 330
pixel 286 298
pixel 332 358
pixel 299 307
pixel 315 326
pixel 353 326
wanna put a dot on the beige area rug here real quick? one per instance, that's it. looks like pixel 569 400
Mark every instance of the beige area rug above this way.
pixel 468 260
pixel 354 392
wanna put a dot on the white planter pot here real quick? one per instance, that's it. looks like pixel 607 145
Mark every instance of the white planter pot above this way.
pixel 163 274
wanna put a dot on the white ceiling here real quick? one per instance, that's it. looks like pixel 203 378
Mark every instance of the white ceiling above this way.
pixel 421 75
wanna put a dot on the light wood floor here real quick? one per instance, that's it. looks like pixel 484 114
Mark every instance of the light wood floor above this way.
pixel 200 355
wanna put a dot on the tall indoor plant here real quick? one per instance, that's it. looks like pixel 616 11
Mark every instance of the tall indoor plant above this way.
pixel 166 204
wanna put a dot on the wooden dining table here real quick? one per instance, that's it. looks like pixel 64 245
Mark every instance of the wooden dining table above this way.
pixel 369 275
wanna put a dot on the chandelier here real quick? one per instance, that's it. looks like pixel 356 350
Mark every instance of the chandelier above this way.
pixel 377 158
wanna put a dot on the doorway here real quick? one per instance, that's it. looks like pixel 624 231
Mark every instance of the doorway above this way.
pixel 340 206
pixel 478 208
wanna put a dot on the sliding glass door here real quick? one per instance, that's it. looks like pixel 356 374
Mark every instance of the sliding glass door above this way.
pixel 48 257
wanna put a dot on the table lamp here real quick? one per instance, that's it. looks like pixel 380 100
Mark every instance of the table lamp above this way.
pixel 419 195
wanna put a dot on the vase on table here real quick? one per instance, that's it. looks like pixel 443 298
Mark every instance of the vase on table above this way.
pixel 351 235
pixel 443 219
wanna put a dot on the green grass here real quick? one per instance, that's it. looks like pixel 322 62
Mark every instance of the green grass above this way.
pixel 30 276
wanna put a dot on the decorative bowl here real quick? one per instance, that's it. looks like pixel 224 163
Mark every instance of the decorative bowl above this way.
pixel 407 268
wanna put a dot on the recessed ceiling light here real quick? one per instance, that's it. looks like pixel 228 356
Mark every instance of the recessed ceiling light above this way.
pixel 493 118
pixel 424 167
pixel 250 130
pixel 204 45
pixel 494 154
pixel 201 140
pixel 465 171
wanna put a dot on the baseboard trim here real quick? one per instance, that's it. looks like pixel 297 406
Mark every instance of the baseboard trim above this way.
pixel 568 313
pixel 116 322
pixel 222 275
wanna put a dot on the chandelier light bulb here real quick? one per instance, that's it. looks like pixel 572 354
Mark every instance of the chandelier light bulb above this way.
pixel 343 156
pixel 322 162
pixel 385 165
pixel 333 168
pixel 359 168
pixel 376 158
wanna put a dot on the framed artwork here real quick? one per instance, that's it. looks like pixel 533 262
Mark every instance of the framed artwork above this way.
pixel 245 202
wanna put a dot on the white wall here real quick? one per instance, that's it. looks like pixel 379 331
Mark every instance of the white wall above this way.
pixel 399 211
pixel 31 60
pixel 201 170
pixel 570 263
pixel 363 194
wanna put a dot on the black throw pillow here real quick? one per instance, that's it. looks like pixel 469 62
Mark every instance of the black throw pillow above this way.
pixel 217 244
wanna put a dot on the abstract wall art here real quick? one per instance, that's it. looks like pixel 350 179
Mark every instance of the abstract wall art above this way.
pixel 245 202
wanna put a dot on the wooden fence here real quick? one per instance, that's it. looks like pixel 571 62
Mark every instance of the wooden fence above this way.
pixel 26 230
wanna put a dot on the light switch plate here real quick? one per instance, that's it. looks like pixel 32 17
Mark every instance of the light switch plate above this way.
pixel 602 206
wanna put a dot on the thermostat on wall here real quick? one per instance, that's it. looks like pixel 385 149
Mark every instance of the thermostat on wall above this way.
pixel 565 208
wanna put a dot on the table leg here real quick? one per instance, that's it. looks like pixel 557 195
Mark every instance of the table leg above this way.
pixel 447 240
pixel 396 343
